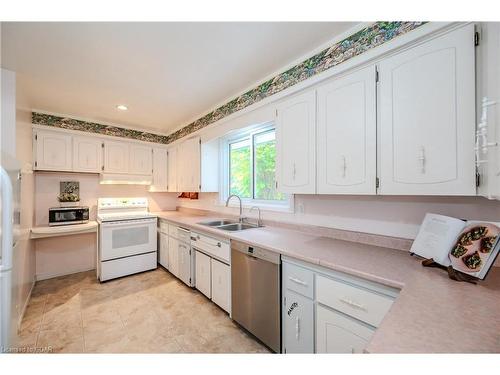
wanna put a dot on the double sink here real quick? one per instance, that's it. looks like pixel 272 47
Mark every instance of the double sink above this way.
pixel 229 225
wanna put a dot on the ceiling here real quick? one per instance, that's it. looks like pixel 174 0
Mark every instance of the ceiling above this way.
pixel 168 74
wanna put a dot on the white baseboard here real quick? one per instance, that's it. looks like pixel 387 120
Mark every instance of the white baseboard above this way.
pixel 25 306
pixel 45 276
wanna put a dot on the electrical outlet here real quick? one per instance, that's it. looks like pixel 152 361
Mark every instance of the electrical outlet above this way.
pixel 300 208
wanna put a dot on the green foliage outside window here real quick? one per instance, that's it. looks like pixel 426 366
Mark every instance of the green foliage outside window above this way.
pixel 241 173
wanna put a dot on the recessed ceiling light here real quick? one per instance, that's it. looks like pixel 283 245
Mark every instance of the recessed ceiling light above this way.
pixel 121 107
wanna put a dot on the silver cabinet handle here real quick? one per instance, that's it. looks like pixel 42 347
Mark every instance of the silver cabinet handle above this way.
pixel 297 328
pixel 421 159
pixel 351 303
pixel 297 281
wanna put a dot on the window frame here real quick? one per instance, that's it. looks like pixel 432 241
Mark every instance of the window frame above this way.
pixel 286 205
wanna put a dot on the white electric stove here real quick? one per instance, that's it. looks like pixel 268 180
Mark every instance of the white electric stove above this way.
pixel 127 237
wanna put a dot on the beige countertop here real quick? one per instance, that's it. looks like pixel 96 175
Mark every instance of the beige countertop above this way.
pixel 432 313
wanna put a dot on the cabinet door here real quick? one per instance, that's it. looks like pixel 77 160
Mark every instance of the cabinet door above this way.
pixel 53 151
pixel 189 165
pixel 427 120
pixel 347 134
pixel 159 170
pixel 298 323
pixel 173 256
pixel 116 157
pixel 185 263
pixel 203 276
pixel 140 159
pixel 295 144
pixel 87 154
pixel 163 250
pixel 221 285
pixel 336 333
pixel 172 170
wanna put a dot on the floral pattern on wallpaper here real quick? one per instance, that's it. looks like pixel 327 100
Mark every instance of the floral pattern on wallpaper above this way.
pixel 93 127
pixel 354 45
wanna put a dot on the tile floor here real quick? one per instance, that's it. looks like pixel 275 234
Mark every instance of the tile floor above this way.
pixel 151 312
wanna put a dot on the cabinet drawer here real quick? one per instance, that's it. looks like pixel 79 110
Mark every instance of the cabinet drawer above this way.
pixel 164 226
pixel 359 303
pixel 181 234
pixel 212 246
pixel 298 279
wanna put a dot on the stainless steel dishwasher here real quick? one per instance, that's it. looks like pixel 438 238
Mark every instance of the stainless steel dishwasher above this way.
pixel 255 292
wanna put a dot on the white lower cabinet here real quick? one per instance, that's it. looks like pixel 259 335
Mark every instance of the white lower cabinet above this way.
pixel 325 311
pixel 185 263
pixel 298 323
pixel 221 284
pixel 173 256
pixel 203 274
pixel 163 250
pixel 337 333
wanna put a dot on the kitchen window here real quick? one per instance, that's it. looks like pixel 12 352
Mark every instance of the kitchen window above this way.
pixel 249 169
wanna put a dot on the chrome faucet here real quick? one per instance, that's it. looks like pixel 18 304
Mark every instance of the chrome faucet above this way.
pixel 241 209
pixel 259 220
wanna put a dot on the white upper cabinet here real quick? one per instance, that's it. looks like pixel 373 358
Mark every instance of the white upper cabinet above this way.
pixel 347 134
pixel 53 151
pixel 188 172
pixel 141 159
pixel 295 144
pixel 172 169
pixel 116 157
pixel 87 154
pixel 427 122
pixel 160 175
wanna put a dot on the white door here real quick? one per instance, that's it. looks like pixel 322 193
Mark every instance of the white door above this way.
pixel 427 123
pixel 184 263
pixel 116 157
pixel 347 134
pixel 53 151
pixel 172 170
pixel 336 333
pixel 87 154
pixel 295 144
pixel 221 285
pixel 203 275
pixel 159 170
pixel 298 323
pixel 163 250
pixel 141 159
pixel 173 256
pixel 189 165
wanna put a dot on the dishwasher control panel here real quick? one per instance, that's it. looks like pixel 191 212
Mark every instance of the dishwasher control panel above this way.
pixel 256 252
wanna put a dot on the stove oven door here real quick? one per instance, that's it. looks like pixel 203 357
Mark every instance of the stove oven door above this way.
pixel 126 238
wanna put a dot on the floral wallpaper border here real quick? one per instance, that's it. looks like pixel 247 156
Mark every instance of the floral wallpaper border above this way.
pixel 354 45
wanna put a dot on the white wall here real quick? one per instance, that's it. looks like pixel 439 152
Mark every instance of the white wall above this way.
pixel 65 255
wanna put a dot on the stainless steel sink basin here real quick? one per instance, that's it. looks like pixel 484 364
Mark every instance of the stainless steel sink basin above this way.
pixel 237 226
pixel 217 223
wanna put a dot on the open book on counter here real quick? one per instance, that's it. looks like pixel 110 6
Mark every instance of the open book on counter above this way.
pixel 470 247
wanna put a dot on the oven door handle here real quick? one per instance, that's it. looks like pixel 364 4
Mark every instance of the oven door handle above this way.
pixel 127 223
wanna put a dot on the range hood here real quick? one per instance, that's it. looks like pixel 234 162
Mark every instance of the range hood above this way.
pixel 125 179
